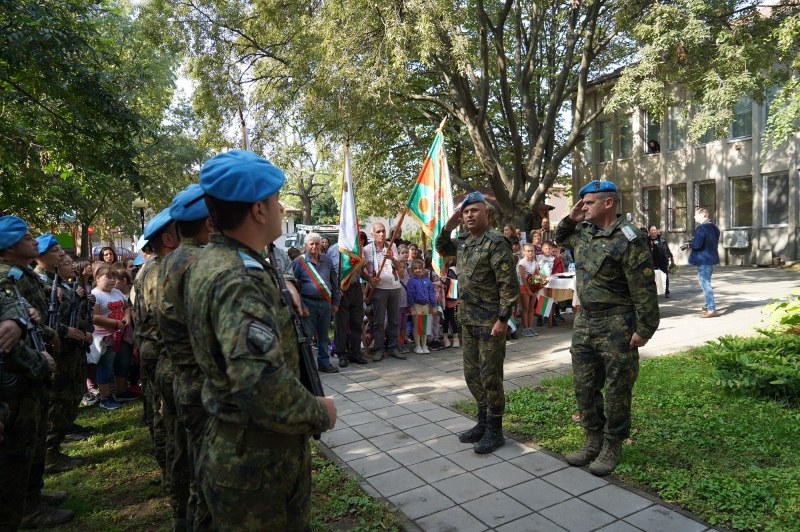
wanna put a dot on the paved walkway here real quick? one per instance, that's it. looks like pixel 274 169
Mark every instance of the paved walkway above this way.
pixel 397 432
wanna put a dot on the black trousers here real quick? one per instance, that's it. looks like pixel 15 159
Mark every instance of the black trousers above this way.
pixel 348 321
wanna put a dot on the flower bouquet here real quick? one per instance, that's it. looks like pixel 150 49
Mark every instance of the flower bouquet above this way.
pixel 536 282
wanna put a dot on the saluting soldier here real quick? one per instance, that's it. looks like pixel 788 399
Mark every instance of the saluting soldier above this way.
pixel 193 224
pixel 489 292
pixel 255 465
pixel 619 314
pixel 17 249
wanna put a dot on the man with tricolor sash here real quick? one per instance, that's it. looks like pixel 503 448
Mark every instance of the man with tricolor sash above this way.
pixel 319 290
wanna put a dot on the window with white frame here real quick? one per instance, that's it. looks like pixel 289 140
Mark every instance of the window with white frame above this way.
pixel 705 197
pixel 742 200
pixel 652 142
pixel 742 125
pixel 652 206
pixel 625 132
pixel 776 199
pixel 677 127
pixel 604 141
pixel 677 203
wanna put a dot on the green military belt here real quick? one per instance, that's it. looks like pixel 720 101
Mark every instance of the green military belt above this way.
pixel 258 438
pixel 600 313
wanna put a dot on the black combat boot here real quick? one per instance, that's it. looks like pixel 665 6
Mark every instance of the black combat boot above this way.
pixel 493 436
pixel 475 434
pixel 343 361
pixel 589 451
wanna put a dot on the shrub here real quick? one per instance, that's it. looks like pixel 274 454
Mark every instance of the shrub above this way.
pixel 767 366
pixel 783 315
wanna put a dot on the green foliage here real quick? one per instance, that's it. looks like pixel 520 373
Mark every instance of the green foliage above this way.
pixel 783 315
pixel 119 487
pixel 731 459
pixel 762 366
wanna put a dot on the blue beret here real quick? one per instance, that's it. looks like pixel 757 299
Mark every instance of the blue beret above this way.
pixel 597 186
pixel 473 197
pixel 141 243
pixel 240 175
pixel 139 260
pixel 156 224
pixel 188 205
pixel 46 241
pixel 12 229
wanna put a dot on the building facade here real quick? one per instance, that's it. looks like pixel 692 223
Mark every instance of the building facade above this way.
pixel 753 197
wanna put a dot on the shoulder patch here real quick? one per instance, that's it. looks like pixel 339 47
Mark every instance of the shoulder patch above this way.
pixel 250 262
pixel 259 337
pixel 43 277
pixel 630 233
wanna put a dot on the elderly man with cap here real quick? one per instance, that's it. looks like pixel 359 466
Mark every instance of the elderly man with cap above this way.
pixel 489 292
pixel 156 373
pixel 619 313
pixel 17 249
pixel 193 224
pixel 254 465
pixel 69 359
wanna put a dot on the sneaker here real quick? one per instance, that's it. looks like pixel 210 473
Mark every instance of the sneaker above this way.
pixel 533 332
pixel 456 343
pixel 425 350
pixel 435 345
pixel 393 352
pixel 418 350
pixel 125 396
pixel 108 403
pixel 90 398
pixel 329 369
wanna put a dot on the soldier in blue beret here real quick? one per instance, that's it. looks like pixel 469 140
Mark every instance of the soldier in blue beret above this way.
pixel 188 209
pixel 619 314
pixel 244 342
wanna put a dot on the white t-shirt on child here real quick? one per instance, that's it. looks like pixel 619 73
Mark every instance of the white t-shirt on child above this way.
pixel 530 266
pixel 111 306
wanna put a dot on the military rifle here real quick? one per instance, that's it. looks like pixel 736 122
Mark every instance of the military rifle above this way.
pixel 74 306
pixel 34 333
pixel 52 307
pixel 309 375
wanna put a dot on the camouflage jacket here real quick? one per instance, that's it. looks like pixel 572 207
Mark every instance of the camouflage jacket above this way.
pixel 170 307
pixel 614 268
pixel 22 359
pixel 144 294
pixel 487 282
pixel 244 341
pixel 31 288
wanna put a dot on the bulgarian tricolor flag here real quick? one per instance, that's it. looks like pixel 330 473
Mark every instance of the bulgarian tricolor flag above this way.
pixel 431 201
pixel 423 324
pixel 350 258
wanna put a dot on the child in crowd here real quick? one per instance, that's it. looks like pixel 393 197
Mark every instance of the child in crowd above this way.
pixel 124 285
pixel 516 248
pixel 435 342
pixel 84 272
pixel 402 276
pixel 525 267
pixel 550 264
pixel 421 300
pixel 450 305
pixel 536 240
pixel 111 317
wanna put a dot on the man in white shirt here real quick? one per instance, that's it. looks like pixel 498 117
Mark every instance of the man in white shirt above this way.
pixel 386 293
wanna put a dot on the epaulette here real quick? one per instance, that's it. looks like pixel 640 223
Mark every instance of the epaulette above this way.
pixel 250 262
pixel 630 232
pixel 43 277
pixel 494 236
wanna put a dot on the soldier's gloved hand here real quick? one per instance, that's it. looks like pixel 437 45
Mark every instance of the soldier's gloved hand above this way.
pixel 331 408
pixel 576 214
pixel 638 341
pixel 10 333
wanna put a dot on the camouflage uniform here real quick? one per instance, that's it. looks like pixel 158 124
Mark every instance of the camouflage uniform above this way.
pixel 151 348
pixel 191 417
pixel 254 466
pixel 617 289
pixel 22 417
pixel 32 289
pixel 488 289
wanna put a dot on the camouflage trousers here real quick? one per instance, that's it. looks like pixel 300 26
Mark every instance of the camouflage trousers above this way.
pixel 36 477
pixel 254 485
pixel 63 410
pixel 484 355
pixel 177 465
pixel 153 419
pixel 602 357
pixel 16 458
pixel 191 421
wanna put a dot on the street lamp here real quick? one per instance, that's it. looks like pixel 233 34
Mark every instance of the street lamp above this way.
pixel 141 204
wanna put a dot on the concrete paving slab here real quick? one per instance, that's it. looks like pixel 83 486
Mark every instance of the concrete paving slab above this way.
pixel 454 519
pixel 395 482
pixel 344 407
pixel 374 404
pixel 439 414
pixel 447 444
pixel 537 494
pixel 496 509
pixel 364 398
pixel 470 460
pixel 435 470
pixel 374 429
pixel 577 516
pixel 575 480
pixel 359 418
pixel 413 454
pixel 391 411
pixel 340 437
pixel 428 431
pixel 393 440
pixel 458 424
pixel 421 501
pixel 662 519
pixel 407 421
pixel 364 377
pixel 538 463
pixel 513 449
pixel 619 526
pixel 464 487
pixel 617 501
pixel 356 450
pixel 531 523
pixel 419 406
pixel 374 465
pixel 503 475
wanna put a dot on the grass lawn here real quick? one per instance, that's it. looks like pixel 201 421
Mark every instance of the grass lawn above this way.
pixel 732 460
pixel 117 489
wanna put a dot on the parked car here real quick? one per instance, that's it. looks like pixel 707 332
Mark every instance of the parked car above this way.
pixel 122 252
